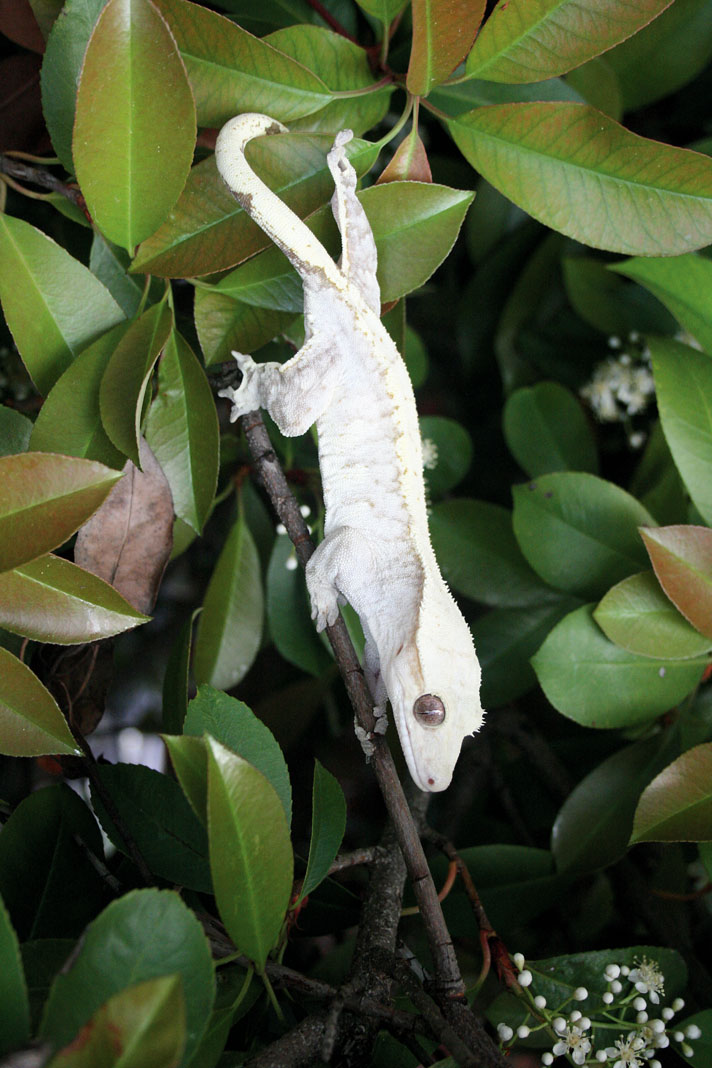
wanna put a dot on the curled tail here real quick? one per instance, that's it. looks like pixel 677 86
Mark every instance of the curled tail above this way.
pixel 279 222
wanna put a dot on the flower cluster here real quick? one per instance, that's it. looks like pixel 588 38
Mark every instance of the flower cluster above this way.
pixel 587 1039
pixel 622 386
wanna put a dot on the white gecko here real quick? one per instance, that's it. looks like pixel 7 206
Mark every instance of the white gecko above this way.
pixel 350 380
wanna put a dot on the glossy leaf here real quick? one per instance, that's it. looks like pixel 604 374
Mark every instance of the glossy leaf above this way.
pixel 177 676
pixel 14 1002
pixel 267 280
pixel 127 541
pixel 479 555
pixel 682 560
pixel 182 430
pixel 579 172
pixel 343 66
pixel 31 723
pixel 52 600
pixel 288 613
pixel 592 828
pixel 53 304
pixel 596 683
pixel 667 54
pixel 546 430
pixel 127 375
pixel 611 304
pixel 637 615
pixel 409 163
pixel 140 1027
pixel 69 421
pixel 443 31
pixel 15 430
pixel 677 805
pixel 447 449
pixel 208 231
pixel 110 264
pixel 146 934
pixel 225 64
pixel 132 162
pixel 43 500
pixel 53 839
pixel 683 385
pixel 579 532
pixel 683 284
pixel 327 827
pixel 701 1047
pixel 61 67
pixel 235 726
pixel 161 823
pixel 250 852
pixel 384 10
pixel 597 84
pixel 223 324
pixel 190 762
pixel 528 40
pixel 230 626
pixel 459 97
pixel 506 639
pixel 656 481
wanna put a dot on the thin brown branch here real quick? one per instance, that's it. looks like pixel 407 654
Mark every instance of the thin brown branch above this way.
pixel 23 172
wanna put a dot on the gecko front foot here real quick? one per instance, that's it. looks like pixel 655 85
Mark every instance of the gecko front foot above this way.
pixel 246 398
pixel 366 738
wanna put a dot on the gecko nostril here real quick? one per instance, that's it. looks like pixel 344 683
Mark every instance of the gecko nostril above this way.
pixel 429 710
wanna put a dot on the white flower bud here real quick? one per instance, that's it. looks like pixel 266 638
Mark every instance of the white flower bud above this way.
pixel 655 1064
pixel 540 1001
pixel 641 1017
pixel 559 1025
pixel 608 998
pixel 612 972
pixel 505 1032
pixel 546 1058
pixel 687 1049
pixel 518 960
pixel 305 510
pixel 667 1013
pixel 525 978
pixel 678 1003
pixel 625 970
pixel 693 1031
pixel 523 1031
pixel 658 1026
pixel 575 1016
pixel 679 1036
pixel 580 993
pixel 640 1004
pixel 584 1023
pixel 601 1056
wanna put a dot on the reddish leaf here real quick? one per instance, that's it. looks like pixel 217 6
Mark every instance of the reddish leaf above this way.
pixel 443 32
pixel 31 723
pixel 682 559
pixel 410 162
pixel 677 805
pixel 18 22
pixel 128 541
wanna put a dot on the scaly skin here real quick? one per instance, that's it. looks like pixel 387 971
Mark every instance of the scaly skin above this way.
pixel 350 379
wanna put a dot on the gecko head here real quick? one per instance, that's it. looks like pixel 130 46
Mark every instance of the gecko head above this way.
pixel 434 686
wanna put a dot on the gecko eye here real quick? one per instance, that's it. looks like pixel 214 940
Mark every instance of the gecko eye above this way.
pixel 429 710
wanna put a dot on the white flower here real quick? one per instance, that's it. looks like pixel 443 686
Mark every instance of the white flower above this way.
pixel 626 1051
pixel 430 461
pixel 648 979
pixel 574 1042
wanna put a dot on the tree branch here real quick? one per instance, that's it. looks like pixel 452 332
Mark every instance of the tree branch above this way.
pixel 15 168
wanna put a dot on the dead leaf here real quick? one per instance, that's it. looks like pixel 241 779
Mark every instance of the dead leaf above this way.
pixel 127 542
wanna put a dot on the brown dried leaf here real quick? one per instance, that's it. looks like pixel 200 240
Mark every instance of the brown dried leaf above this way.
pixel 127 542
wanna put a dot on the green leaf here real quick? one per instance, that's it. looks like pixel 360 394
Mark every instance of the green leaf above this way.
pixel 529 40
pixel 677 805
pixel 132 163
pixel 223 324
pixel 592 828
pixel 327 827
pixel 250 853
pixel 161 823
pixel 667 54
pixel 597 84
pixel 506 639
pixel 54 306
pixel 656 481
pixel 609 303
pixel 52 600
pixel 48 848
pixel 683 284
pixel 458 98
pixel 31 723
pixel 190 763
pixel 343 66
pixel 579 172
pixel 702 1046
pixel 236 726
pixel 15 430
pixel 146 934
pixel 110 263
pixel 44 499
pixel 267 280
pixel 61 67
pixel 140 1027
pixel 596 683
pixel 546 430
pixel 288 614
pixel 176 678
pixel 637 615
pixel 69 421
pixel 383 10
pixel 127 375
pixel 230 626
pixel 682 559
pixel 443 31
pixel 479 556
pixel 683 384
pixel 14 1001
pixel 229 70
pixel 182 430
pixel 208 231
pixel 450 453
pixel 579 532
